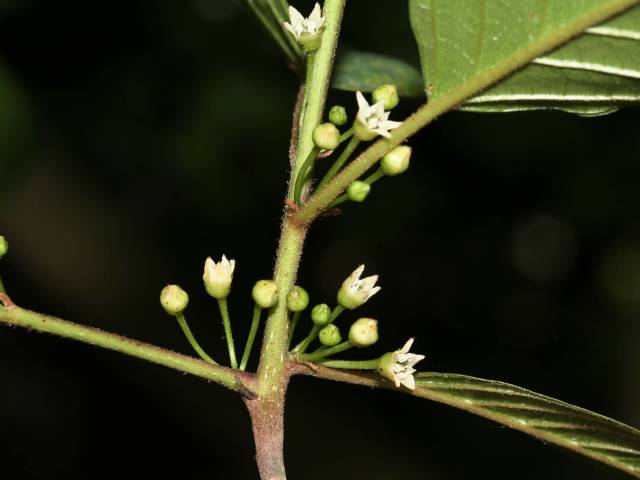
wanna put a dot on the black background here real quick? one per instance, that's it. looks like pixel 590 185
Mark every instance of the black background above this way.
pixel 138 138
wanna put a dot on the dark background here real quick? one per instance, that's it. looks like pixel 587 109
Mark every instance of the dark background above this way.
pixel 137 138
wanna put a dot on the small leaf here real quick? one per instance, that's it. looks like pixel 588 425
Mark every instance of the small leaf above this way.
pixel 595 73
pixel 366 71
pixel 577 429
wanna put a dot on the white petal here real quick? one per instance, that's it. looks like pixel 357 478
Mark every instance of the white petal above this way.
pixel 363 105
pixel 296 17
pixel 382 132
pixel 290 27
pixel 369 282
pixel 409 382
pixel 316 14
pixel 373 291
pixel 378 108
pixel 407 346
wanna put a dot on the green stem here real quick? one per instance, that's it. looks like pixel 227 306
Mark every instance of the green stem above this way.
pixel 46 324
pixel 346 135
pixel 273 358
pixel 339 163
pixel 303 174
pixel 352 364
pixel 337 311
pixel 450 100
pixel 252 336
pixel 314 357
pixel 317 84
pixel 288 46
pixel 182 321
pixel 2 289
pixel 293 325
pixel 304 344
pixel 374 177
pixel 226 323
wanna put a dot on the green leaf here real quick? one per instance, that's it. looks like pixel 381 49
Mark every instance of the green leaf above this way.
pixel 463 42
pixel 550 420
pixel 366 71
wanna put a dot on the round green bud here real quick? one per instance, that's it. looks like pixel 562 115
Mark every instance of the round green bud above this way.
pixel 326 136
pixel 338 115
pixel 387 94
pixel 310 42
pixel 358 191
pixel 362 132
pixel 396 161
pixel 297 299
pixel 265 293
pixel 330 336
pixel 4 246
pixel 364 332
pixel 173 299
pixel 321 314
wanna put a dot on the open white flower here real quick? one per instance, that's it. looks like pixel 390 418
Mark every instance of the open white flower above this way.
pixel 300 25
pixel 218 277
pixel 372 120
pixel 398 366
pixel 355 291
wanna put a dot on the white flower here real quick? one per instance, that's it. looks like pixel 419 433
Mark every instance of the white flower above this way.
pixel 218 276
pixel 372 120
pixel 300 25
pixel 355 292
pixel 398 366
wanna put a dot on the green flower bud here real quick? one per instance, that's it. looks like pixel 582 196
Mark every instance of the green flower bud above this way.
pixel 326 136
pixel 358 191
pixel 330 336
pixel 387 94
pixel 364 332
pixel 396 161
pixel 4 246
pixel 338 115
pixel 310 42
pixel 173 299
pixel 321 314
pixel 265 293
pixel 297 299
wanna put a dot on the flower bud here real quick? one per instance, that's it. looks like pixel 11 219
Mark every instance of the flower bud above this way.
pixel 217 277
pixel 387 94
pixel 396 161
pixel 338 115
pixel 326 136
pixel 321 314
pixel 173 299
pixel 364 332
pixel 358 191
pixel 297 299
pixel 4 246
pixel 330 336
pixel 265 293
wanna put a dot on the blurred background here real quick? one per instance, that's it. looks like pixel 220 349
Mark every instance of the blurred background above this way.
pixel 138 138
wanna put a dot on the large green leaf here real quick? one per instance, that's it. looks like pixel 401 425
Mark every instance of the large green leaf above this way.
pixel 597 72
pixel 577 429
pixel 366 71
